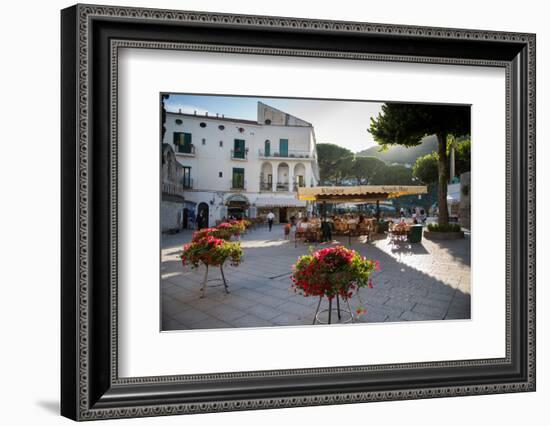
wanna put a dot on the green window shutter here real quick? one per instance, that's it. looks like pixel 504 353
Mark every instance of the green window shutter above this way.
pixel 283 147
pixel 238 177
pixel 238 148
pixel 187 139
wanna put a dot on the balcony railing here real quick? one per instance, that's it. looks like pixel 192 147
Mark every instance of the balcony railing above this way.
pixel 187 183
pixel 298 185
pixel 237 185
pixel 282 186
pixel 266 186
pixel 172 188
pixel 289 154
pixel 239 155
pixel 188 150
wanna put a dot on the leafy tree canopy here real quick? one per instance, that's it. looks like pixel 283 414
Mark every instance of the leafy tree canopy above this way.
pixel 407 124
pixel 425 168
pixel 462 156
pixel 393 175
pixel 334 162
pixel 363 169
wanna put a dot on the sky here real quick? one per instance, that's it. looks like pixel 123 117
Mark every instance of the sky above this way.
pixel 344 123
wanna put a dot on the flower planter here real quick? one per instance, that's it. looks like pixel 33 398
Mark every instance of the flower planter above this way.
pixel 442 236
pixel 210 251
pixel 334 273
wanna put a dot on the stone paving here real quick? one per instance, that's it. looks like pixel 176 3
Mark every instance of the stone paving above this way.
pixel 425 281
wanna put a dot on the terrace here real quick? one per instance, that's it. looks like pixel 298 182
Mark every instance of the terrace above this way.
pixel 425 281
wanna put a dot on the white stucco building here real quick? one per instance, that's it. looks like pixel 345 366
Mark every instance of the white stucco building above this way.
pixel 238 167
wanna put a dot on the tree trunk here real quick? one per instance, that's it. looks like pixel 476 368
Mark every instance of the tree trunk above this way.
pixel 443 173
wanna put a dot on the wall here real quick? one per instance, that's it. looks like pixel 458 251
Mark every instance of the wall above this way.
pixel 30 225
pixel 170 215
pixel 210 158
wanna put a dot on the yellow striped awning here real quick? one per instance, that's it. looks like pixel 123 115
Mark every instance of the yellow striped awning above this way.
pixel 358 194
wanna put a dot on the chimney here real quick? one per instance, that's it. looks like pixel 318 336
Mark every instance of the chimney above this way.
pixel 217 115
pixel 206 114
pixel 195 112
pixel 180 110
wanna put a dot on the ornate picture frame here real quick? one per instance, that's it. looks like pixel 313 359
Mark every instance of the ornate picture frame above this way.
pixel 91 387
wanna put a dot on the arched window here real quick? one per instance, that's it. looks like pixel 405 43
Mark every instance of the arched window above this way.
pixel 267 148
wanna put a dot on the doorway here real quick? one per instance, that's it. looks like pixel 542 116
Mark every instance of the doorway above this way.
pixel 283 215
pixel 185 220
pixel 203 216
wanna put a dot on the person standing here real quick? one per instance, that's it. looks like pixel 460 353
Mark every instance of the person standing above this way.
pixel 270 218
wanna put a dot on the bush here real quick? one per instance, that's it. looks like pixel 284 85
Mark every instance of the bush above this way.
pixel 450 227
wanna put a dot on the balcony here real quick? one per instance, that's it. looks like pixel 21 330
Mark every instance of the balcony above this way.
pixel 171 188
pixel 266 186
pixel 239 155
pixel 187 183
pixel 185 150
pixel 298 185
pixel 282 186
pixel 290 154
pixel 237 185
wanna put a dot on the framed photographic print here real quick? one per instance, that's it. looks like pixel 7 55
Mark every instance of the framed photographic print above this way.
pixel 263 212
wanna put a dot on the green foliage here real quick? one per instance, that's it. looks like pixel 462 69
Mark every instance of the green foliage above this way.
pixel 425 168
pixel 332 271
pixel 337 164
pixel 334 162
pixel 401 154
pixel 408 124
pixel 363 169
pixel 211 251
pixel 462 156
pixel 448 227
pixel 393 175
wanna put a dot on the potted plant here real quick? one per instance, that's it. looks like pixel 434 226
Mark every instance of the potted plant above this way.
pixel 333 272
pixel 211 251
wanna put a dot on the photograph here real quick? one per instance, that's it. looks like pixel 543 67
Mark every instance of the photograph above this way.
pixel 270 207
pixel 283 211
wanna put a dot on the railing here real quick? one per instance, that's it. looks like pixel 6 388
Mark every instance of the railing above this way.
pixel 298 185
pixel 237 185
pixel 282 186
pixel 239 155
pixel 185 150
pixel 187 183
pixel 266 186
pixel 289 154
pixel 171 188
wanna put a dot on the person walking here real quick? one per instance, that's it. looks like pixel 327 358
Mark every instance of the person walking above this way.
pixel 270 218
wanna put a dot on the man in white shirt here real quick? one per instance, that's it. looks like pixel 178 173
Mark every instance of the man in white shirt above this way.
pixel 270 217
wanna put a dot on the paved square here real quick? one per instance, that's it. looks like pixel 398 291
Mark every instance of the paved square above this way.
pixel 426 281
